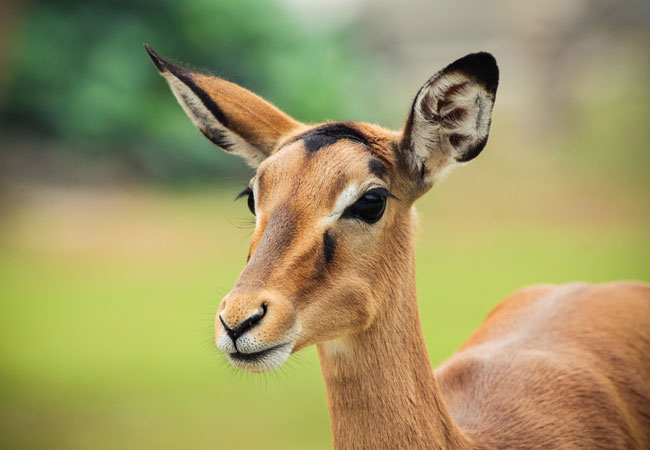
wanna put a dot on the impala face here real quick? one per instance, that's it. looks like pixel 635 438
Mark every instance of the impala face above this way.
pixel 332 203
pixel 321 215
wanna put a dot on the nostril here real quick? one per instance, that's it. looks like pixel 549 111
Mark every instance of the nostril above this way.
pixel 225 325
pixel 244 325
pixel 257 317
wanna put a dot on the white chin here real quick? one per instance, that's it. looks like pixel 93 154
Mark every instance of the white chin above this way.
pixel 263 361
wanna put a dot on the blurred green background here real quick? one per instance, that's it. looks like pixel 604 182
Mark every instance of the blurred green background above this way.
pixel 118 233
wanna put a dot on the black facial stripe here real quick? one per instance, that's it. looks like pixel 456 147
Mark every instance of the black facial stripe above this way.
pixel 327 135
pixel 377 168
pixel 329 247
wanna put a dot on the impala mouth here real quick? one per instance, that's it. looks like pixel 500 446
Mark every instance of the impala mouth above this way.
pixel 263 361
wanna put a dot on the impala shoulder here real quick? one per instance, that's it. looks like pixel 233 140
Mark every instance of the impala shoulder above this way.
pixel 512 314
pixel 626 288
pixel 629 298
pixel 609 304
pixel 565 293
pixel 521 298
pixel 490 394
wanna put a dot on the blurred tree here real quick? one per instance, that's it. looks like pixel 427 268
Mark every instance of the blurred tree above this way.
pixel 77 77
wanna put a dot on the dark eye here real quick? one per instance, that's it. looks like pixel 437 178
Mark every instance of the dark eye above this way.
pixel 251 202
pixel 251 198
pixel 370 207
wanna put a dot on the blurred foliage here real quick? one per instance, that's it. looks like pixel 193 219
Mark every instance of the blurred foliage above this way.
pixel 79 78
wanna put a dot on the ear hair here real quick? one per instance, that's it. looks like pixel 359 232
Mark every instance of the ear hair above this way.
pixel 230 116
pixel 450 118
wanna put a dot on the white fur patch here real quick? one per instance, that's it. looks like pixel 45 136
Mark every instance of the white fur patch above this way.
pixel 349 195
pixel 255 190
pixel 335 347
pixel 278 352
pixel 224 343
pixel 267 362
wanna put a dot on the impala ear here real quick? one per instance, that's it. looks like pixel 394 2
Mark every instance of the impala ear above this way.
pixel 450 118
pixel 230 116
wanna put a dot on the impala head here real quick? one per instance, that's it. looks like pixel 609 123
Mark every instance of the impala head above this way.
pixel 332 203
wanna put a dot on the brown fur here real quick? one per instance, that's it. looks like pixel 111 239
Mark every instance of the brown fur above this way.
pixel 254 119
pixel 557 367
pixel 550 367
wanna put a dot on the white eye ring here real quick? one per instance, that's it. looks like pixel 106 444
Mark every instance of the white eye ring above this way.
pixel 346 198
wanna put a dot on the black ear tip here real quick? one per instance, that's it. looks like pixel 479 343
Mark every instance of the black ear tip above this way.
pixel 481 66
pixel 160 63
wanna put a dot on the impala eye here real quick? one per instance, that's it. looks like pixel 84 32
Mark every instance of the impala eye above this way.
pixel 251 198
pixel 251 203
pixel 370 207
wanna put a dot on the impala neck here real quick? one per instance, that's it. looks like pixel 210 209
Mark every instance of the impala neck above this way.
pixel 381 391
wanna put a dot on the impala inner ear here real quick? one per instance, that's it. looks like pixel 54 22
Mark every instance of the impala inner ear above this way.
pixel 451 116
pixel 230 116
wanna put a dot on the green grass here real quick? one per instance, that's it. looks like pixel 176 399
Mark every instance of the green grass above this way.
pixel 108 299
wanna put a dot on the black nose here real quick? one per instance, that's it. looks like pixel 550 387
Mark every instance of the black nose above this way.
pixel 245 325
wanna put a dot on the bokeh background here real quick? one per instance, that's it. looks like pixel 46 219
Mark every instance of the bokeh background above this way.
pixel 119 234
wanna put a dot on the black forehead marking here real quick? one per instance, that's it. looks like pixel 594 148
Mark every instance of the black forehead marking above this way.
pixel 377 168
pixel 327 135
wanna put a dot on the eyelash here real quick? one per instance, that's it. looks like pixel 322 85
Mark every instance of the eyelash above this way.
pixel 244 193
pixel 251 201
pixel 382 192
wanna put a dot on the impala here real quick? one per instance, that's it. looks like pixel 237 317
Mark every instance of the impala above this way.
pixel 331 263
